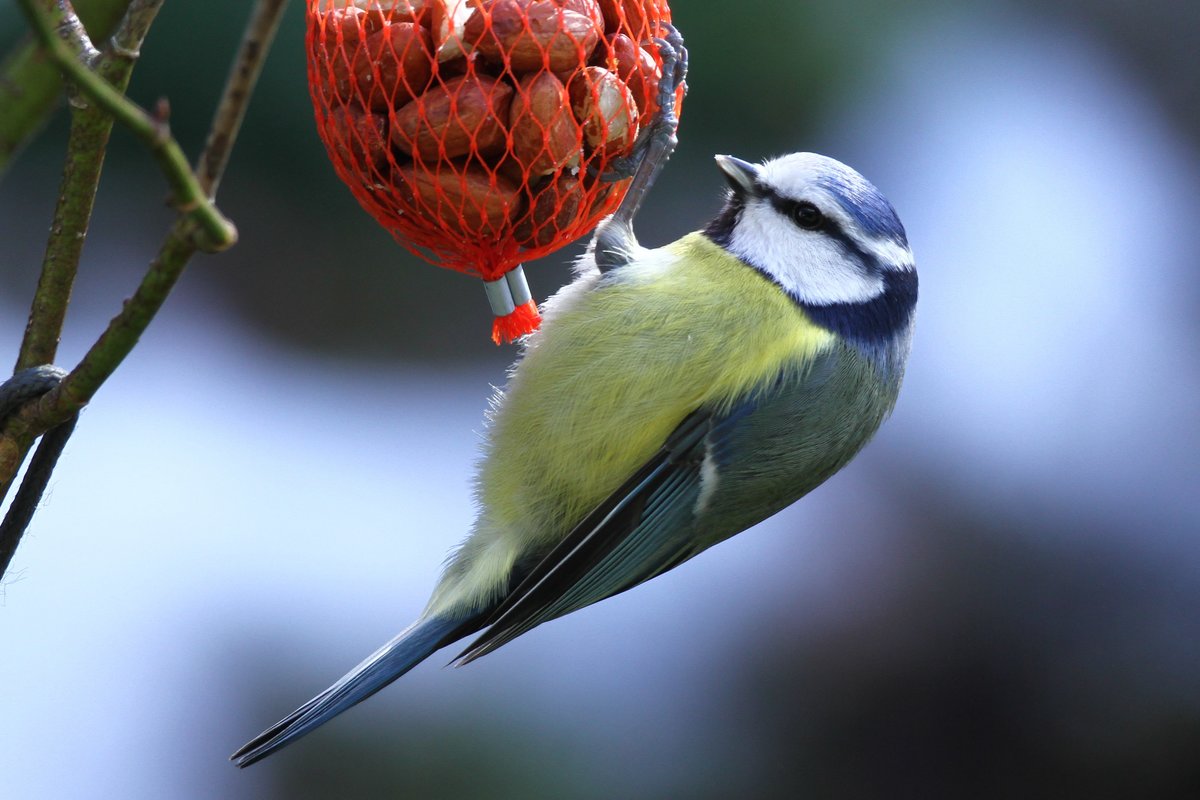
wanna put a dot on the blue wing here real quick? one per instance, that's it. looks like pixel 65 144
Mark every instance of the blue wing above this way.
pixel 643 529
pixel 720 471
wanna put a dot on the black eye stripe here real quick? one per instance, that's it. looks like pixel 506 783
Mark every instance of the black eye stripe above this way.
pixel 720 229
pixel 829 227
pixel 801 211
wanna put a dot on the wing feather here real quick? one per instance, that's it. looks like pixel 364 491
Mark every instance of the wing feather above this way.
pixel 632 536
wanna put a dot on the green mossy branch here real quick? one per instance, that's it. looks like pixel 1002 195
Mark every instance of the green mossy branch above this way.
pixel 100 80
pixel 212 230
pixel 91 128
pixel 31 84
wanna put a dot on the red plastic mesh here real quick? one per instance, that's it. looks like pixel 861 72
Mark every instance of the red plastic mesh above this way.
pixel 472 129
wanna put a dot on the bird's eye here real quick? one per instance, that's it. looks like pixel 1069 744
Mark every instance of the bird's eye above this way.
pixel 807 216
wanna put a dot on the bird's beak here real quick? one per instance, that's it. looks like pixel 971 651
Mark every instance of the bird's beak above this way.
pixel 742 175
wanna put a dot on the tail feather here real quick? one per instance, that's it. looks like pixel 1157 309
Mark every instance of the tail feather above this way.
pixel 385 665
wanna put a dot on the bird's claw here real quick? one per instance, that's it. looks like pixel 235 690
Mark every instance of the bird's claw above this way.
pixel 614 242
pixel 661 129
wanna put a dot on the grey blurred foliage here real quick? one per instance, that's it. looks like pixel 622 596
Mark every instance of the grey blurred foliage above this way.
pixel 1035 665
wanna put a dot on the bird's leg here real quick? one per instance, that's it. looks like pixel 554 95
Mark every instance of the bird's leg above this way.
pixel 614 241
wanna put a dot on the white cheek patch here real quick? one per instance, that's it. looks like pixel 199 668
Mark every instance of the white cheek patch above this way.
pixel 809 266
pixel 888 252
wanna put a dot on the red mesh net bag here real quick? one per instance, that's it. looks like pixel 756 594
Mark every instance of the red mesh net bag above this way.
pixel 474 130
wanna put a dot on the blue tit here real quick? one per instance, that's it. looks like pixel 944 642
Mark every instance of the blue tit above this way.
pixel 672 398
pixel 669 402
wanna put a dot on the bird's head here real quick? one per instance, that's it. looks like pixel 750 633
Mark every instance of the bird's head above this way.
pixel 827 238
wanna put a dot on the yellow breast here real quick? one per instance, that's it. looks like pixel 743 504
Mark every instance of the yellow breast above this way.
pixel 617 367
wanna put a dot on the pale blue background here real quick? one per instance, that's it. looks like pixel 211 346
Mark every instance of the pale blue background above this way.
pixel 998 598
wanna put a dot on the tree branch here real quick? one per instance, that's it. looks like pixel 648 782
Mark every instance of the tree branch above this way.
pixel 91 128
pixel 260 33
pixel 31 84
pixel 122 334
pixel 200 225
pixel 71 31
pixel 212 230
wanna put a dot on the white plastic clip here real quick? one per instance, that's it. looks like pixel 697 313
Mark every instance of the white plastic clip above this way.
pixel 500 296
pixel 518 286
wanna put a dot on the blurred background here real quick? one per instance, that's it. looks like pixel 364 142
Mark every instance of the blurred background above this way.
pixel 1000 598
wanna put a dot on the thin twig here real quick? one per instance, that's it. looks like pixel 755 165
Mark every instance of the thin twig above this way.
pixel 90 130
pixel 199 225
pixel 60 404
pixel 71 31
pixel 31 85
pixel 213 231
pixel 77 194
pixel 125 329
pixel 122 51
pixel 260 33
pixel 24 504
